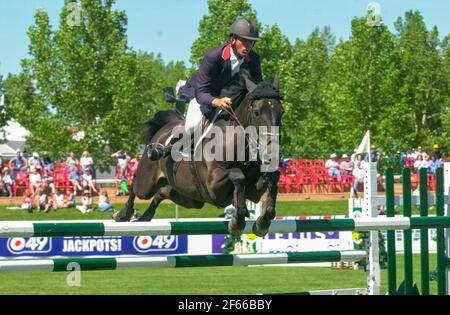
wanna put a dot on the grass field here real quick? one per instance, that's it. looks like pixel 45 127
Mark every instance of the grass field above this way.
pixel 213 280
pixel 198 281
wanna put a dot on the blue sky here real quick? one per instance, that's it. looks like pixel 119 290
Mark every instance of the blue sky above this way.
pixel 170 26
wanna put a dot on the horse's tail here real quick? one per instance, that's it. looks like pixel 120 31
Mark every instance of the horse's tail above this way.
pixel 162 118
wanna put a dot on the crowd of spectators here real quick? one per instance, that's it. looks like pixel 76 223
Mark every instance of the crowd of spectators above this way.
pixel 46 185
pixel 350 170
pixel 418 159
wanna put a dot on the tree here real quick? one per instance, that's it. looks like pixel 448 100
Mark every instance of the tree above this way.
pixel 90 91
pixel 359 92
pixel 213 28
pixel 424 82
pixel 302 81
pixel 275 50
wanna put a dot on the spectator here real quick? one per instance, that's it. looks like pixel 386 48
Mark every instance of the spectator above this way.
pixel 121 182
pixel 47 162
pixel 34 162
pixel 58 200
pixel 43 200
pixel 104 204
pixel 7 182
pixel 358 173
pixel 70 200
pixel 333 166
pixel 122 159
pixel 27 201
pixel 434 164
pixel 1 161
pixel 346 165
pixel 74 176
pixel 86 162
pixel 87 181
pixel 35 181
pixel 420 163
pixel 420 152
pixel 437 152
pixel 19 163
pixel 135 165
pixel 48 181
pixel 374 154
pixel 86 202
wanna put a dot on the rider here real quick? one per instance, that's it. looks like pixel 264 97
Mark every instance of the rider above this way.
pixel 218 67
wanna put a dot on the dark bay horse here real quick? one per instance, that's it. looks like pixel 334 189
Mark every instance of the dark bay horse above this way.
pixel 216 182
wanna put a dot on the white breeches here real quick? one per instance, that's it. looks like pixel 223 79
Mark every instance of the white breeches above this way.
pixel 193 117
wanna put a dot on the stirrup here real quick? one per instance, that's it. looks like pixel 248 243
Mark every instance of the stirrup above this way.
pixel 155 151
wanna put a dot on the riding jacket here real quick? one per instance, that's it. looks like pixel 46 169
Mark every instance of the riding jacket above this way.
pixel 215 72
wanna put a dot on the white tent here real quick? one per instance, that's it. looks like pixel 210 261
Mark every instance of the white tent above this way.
pixel 15 136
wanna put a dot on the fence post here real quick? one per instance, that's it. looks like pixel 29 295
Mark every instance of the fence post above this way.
pixel 441 259
pixel 407 234
pixel 424 258
pixel 392 266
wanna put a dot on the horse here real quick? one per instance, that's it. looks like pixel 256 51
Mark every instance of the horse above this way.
pixel 220 183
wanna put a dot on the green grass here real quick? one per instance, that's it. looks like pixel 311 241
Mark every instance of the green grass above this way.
pixel 200 281
pixel 164 211
pixel 213 280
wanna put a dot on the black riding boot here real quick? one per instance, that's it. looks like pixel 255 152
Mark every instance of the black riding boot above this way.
pixel 158 151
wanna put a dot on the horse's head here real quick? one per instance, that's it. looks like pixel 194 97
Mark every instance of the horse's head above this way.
pixel 264 112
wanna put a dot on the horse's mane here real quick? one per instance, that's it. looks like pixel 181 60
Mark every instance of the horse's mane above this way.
pixel 264 90
pixel 238 89
pixel 162 118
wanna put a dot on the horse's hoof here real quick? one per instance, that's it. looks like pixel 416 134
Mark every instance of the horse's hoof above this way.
pixel 116 217
pixel 137 217
pixel 261 227
pixel 236 227
pixel 259 231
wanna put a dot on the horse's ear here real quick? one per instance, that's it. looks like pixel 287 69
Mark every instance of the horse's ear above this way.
pixel 249 84
pixel 276 82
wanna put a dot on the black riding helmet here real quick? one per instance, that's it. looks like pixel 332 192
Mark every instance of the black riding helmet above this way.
pixel 244 28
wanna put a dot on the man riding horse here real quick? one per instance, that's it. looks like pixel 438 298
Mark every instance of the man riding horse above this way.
pixel 226 71
pixel 217 69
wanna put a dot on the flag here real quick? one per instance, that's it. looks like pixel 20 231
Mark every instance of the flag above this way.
pixel 364 146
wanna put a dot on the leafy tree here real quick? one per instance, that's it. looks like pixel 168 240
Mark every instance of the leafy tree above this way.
pixel 275 50
pixel 358 92
pixel 424 83
pixel 302 81
pixel 213 28
pixel 91 92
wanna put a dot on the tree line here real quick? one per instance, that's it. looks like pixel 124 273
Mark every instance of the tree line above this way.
pixel 83 87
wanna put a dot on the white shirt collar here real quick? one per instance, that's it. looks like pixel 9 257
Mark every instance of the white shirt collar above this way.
pixel 235 62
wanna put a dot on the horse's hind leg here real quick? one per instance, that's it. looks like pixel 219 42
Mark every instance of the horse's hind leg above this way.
pixel 127 211
pixel 237 223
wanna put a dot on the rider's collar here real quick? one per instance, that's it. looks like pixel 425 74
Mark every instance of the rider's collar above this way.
pixel 226 53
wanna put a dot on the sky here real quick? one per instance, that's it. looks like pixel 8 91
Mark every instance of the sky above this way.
pixel 170 27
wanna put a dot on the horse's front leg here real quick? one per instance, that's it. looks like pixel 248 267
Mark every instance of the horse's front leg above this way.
pixel 262 224
pixel 125 214
pixel 237 223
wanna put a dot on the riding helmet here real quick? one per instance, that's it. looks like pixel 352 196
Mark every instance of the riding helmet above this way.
pixel 244 28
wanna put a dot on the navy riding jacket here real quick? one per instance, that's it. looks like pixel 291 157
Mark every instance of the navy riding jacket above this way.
pixel 214 73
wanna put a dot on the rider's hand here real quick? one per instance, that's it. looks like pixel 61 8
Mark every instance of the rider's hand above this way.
pixel 222 103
